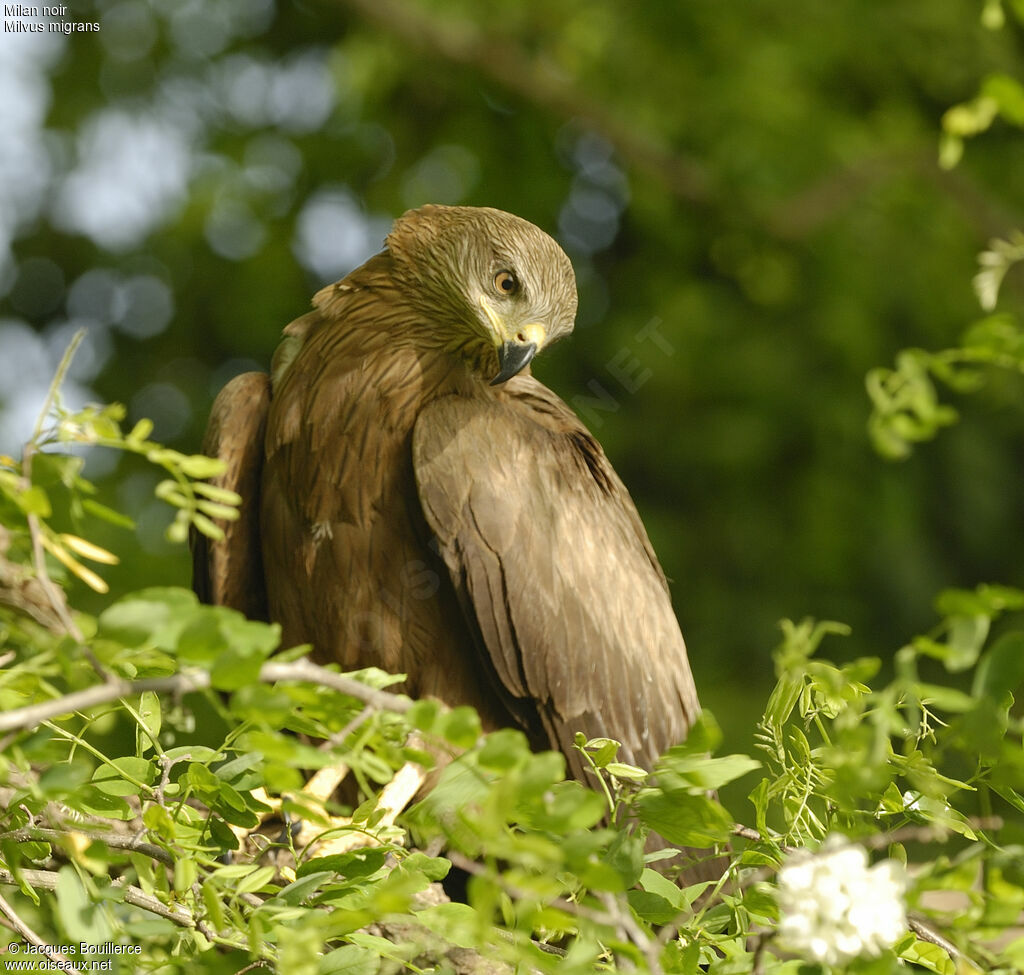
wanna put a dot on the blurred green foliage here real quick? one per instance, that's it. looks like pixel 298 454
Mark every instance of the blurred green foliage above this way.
pixel 758 182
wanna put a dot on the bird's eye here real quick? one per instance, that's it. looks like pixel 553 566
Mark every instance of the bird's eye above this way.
pixel 506 282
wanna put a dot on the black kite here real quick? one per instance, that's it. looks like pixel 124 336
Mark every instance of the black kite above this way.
pixel 416 501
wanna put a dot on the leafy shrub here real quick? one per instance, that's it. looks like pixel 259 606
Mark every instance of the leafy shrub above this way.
pixel 156 810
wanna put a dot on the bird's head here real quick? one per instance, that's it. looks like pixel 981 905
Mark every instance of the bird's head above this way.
pixel 494 286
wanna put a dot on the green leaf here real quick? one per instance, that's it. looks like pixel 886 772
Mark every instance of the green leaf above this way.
pixel 207 527
pixel 679 769
pixel 928 956
pixel 356 863
pixel 565 806
pixel 984 600
pixel 626 856
pixel 82 918
pixel 425 715
pixel 159 820
pixel 200 466
pixel 185 873
pixel 1008 93
pixel 966 637
pixel 601 750
pixel 233 670
pixel 155 616
pixel 197 753
pixel 34 501
pixel 1001 669
pixel 171 492
pixel 458 923
pixel 684 819
pixel 629 773
pixel 652 908
pixel 945 698
pixel 107 514
pixel 214 905
pixel 150 716
pixel 1013 797
pixel 655 883
pixel 177 530
pixel 123 775
pixel 783 699
pixel 350 960
pixel 217 510
pixel 256 880
pixel 91 800
pixel 433 868
pixel 759 799
pixel 307 886
pixel 59 780
pixel 219 494
pixel 460 726
pixel 503 750
pixel 202 779
pixel 140 431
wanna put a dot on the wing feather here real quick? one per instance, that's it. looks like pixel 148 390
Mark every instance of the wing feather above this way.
pixel 229 572
pixel 554 569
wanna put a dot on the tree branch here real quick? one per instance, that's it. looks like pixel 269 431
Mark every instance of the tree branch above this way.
pixel 184 918
pixel 929 934
pixel 37 834
pixel 61 960
pixel 188 681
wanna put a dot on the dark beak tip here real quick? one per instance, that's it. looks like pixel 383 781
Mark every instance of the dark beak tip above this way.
pixel 512 360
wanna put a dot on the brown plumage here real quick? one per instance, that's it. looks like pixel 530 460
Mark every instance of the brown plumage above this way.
pixel 416 516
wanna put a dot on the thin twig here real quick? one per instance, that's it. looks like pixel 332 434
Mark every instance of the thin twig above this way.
pixel 35 529
pixel 61 960
pixel 905 834
pixel 184 918
pixel 759 953
pixel 339 736
pixel 927 834
pixel 558 903
pixel 926 933
pixel 632 931
pixel 306 670
pixel 748 833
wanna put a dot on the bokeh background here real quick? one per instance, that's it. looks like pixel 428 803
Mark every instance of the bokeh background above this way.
pixel 749 192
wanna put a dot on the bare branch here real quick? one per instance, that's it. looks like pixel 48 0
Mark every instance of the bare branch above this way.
pixel 188 681
pixel 630 930
pixel 116 841
pixel 748 833
pixel 47 880
pixel 34 714
pixel 926 933
pixel 31 937
pixel 306 670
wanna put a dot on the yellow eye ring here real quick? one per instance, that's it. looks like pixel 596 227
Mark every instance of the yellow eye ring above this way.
pixel 506 283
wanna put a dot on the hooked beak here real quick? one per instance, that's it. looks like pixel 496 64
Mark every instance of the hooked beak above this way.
pixel 513 357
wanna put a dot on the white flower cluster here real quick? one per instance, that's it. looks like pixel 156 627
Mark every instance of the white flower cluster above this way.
pixel 835 908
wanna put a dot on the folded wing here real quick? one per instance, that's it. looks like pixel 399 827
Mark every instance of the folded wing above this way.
pixel 554 570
